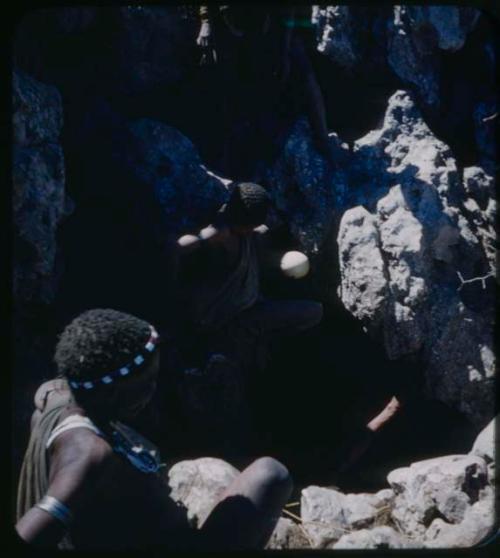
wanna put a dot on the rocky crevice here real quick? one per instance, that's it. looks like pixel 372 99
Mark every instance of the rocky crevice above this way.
pixel 401 235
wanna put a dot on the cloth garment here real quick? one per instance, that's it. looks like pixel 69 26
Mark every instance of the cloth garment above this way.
pixel 216 300
pixel 34 476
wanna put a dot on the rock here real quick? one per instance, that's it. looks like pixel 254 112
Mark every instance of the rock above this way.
pixel 328 514
pixel 287 535
pixel 342 33
pixel 303 190
pixel 413 238
pixel 364 285
pixel 154 46
pixel 197 485
pixel 36 111
pixel 443 487
pixel 484 447
pixel 336 34
pixel 447 26
pixel 166 164
pixel 478 523
pixel 417 34
pixel 378 537
pixel 405 239
pixel 39 201
pixel 485 115
pixel 480 209
pixel 461 366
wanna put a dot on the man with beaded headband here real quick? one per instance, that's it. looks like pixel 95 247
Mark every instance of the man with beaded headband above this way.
pixel 89 481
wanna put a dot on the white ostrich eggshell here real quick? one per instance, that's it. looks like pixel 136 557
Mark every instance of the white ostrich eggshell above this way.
pixel 295 264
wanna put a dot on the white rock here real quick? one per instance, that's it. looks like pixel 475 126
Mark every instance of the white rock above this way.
pixel 198 484
pixel 378 537
pixel 287 534
pixel 444 487
pixel 328 514
pixel 363 277
pixel 478 523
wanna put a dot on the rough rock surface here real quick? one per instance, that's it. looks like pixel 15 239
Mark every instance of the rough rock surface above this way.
pixel 406 39
pixel 303 189
pixel 39 202
pixel 167 166
pixel 350 35
pixel 287 535
pixel 478 523
pixel 485 447
pixel 328 514
pixel 424 244
pixel 378 537
pixel 443 487
pixel 198 483
pixel 417 34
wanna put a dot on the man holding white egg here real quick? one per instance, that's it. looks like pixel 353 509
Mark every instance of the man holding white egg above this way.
pixel 227 294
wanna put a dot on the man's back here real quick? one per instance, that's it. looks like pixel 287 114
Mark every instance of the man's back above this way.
pixel 114 504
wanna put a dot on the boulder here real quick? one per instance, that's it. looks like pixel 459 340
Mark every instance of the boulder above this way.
pixel 378 537
pixel 37 116
pixel 337 37
pixel 484 447
pixel 39 200
pixel 197 484
pixel 303 190
pixel 417 34
pixel 287 535
pixel 328 514
pixel 408 250
pixel 167 166
pixel 479 522
pixel 443 487
pixel 405 39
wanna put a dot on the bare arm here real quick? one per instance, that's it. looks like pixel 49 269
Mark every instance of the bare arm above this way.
pixel 189 243
pixel 76 463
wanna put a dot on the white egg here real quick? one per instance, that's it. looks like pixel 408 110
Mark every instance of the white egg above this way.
pixel 295 264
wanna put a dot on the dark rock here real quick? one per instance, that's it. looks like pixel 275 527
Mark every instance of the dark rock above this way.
pixel 39 201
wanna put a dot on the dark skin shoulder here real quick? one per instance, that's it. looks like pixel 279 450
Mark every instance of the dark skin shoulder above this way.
pixel 78 458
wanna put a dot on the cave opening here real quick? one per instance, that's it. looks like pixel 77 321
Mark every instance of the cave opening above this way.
pixel 314 390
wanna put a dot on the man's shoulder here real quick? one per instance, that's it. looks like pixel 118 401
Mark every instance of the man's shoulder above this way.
pixel 82 448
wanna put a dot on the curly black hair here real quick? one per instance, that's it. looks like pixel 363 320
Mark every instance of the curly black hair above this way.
pixel 98 342
pixel 247 205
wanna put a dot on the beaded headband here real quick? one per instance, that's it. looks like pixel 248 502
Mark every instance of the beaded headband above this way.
pixel 122 371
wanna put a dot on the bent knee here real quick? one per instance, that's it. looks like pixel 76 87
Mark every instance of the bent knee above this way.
pixel 272 472
pixel 314 313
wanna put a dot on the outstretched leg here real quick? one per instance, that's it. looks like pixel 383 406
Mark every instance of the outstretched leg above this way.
pixel 248 510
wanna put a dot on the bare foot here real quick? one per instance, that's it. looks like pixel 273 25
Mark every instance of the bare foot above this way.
pixel 389 411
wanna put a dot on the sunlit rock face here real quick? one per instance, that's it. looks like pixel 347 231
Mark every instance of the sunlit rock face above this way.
pixel 414 234
pixel 408 39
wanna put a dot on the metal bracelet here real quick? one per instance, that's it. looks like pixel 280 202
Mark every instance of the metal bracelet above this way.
pixel 55 508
